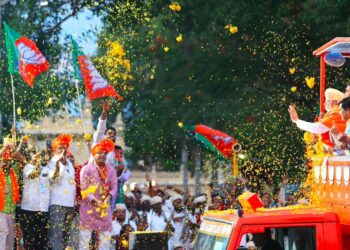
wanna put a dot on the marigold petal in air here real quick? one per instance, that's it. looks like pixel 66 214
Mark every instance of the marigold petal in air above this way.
pixel 293 89
pixel 175 6
pixel 233 29
pixel 310 81
pixel 179 38
pixel 166 49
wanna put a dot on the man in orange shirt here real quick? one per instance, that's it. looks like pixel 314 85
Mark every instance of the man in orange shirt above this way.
pixel 330 119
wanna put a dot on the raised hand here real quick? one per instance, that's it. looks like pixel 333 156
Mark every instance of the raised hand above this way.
pixel 106 107
pixel 293 114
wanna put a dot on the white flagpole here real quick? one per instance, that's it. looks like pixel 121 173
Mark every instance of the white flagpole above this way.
pixel 80 107
pixel 14 105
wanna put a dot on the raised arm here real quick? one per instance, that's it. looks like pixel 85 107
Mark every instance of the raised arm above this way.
pixel 102 121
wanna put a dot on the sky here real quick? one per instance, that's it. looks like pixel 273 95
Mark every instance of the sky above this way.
pixel 79 26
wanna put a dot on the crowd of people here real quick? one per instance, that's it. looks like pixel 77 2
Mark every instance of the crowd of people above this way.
pixel 49 202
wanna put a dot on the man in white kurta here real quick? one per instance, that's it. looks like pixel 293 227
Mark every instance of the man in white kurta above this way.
pixel 324 125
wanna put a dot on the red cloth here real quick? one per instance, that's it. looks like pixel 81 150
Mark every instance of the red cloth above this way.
pixel 332 117
pixel 15 188
pixel 77 183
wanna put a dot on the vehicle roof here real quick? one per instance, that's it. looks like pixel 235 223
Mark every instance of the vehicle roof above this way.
pixel 275 215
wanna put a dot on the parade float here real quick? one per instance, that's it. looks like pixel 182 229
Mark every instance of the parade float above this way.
pixel 323 223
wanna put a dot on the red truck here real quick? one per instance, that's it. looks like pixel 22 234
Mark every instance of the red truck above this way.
pixel 323 226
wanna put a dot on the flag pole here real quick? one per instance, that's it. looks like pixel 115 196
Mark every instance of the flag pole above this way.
pixel 14 106
pixel 80 107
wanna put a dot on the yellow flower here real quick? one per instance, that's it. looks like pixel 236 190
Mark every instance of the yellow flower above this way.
pixel 179 38
pixel 291 71
pixel 103 214
pixel 180 124
pixel 124 243
pixel 231 28
pixel 166 49
pixel 19 111
pixel 293 89
pixel 87 137
pixel 49 101
pixel 25 138
pixel 175 6
pixel 89 190
pixel 310 81
pixel 307 137
pixel 78 121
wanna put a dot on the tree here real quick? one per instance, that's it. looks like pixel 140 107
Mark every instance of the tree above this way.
pixel 42 24
pixel 189 64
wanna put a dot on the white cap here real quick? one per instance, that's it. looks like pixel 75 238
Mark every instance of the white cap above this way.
pixel 155 200
pixel 250 244
pixel 129 195
pixel 200 199
pixel 176 196
pixel 169 192
pixel 120 206
pixel 178 244
pixel 145 198
pixel 333 94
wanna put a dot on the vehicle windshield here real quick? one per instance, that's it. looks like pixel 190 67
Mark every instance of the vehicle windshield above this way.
pixel 213 235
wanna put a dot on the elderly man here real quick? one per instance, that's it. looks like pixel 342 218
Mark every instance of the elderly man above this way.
pixel 180 223
pixel 330 119
pixel 98 185
pixel 131 212
pixel 9 197
pixel 157 219
pixel 118 222
pixel 62 193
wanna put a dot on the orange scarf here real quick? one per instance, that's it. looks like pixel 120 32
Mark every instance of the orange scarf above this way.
pixel 15 188
pixel 103 175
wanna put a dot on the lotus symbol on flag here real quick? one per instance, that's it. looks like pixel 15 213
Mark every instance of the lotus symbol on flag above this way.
pixel 97 81
pixel 29 56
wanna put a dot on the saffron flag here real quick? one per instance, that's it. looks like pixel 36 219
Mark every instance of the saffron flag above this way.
pixel 216 141
pixel 23 56
pixel 96 86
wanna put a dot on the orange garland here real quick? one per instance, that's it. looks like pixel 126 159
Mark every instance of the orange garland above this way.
pixel 15 188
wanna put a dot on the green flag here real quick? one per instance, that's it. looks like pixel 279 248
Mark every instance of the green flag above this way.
pixel 76 52
pixel 12 53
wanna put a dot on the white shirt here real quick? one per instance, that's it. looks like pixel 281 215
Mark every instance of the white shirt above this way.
pixel 36 192
pixel 117 227
pixel 100 135
pixel 156 222
pixel 63 187
pixel 312 127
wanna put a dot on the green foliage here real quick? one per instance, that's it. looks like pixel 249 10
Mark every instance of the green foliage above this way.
pixel 43 25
